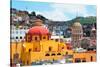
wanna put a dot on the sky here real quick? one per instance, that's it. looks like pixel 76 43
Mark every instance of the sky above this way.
pixel 56 11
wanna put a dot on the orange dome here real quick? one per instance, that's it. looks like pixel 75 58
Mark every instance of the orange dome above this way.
pixel 38 30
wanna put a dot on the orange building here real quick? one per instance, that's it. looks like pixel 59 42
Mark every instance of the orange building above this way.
pixel 88 56
pixel 36 47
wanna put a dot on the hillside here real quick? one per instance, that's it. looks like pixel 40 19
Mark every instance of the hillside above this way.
pixel 84 20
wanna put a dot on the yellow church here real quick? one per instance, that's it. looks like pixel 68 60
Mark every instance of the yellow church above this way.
pixel 39 46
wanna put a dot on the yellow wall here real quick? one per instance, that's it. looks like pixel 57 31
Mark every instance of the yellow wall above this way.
pixel 85 55
pixel 13 49
pixel 43 46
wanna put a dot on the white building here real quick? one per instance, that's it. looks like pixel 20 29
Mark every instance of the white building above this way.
pixel 18 34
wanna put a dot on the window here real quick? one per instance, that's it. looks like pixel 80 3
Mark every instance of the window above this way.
pixel 35 38
pixel 44 37
pixel 16 37
pixel 84 60
pixel 21 37
pixel 30 50
pixel 59 54
pixel 50 48
pixel 47 55
pixel 53 54
pixel 62 47
pixel 11 37
pixel 24 37
pixel 91 58
pixel 16 32
pixel 56 40
pixel 77 60
pixel 66 53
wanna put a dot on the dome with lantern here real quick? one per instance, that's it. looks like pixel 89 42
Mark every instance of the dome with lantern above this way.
pixel 77 24
pixel 38 30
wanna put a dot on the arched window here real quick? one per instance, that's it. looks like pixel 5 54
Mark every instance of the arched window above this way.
pixel 47 54
pixel 51 39
pixel 66 53
pixel 91 58
pixel 62 47
pixel 56 40
pixel 35 38
pixel 50 48
pixel 44 37
pixel 30 50
pixel 53 54
pixel 59 54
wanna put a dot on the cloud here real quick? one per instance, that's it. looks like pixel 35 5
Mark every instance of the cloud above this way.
pixel 54 15
pixel 62 12
pixel 73 9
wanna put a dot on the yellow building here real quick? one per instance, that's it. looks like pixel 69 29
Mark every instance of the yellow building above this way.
pixel 36 47
pixel 88 56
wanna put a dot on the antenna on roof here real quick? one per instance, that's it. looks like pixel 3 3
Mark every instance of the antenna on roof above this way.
pixel 77 19
pixel 76 13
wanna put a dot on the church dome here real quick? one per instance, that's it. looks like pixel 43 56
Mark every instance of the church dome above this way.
pixel 38 30
pixel 77 24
